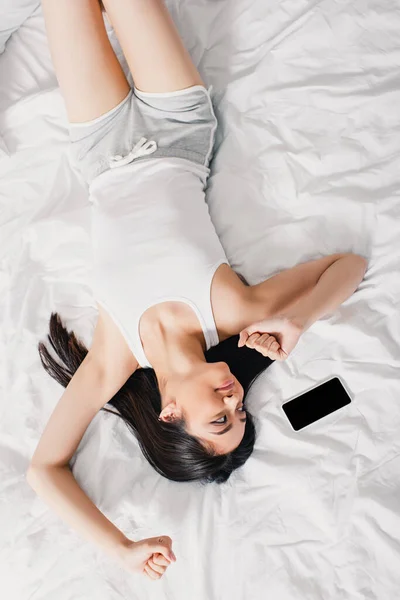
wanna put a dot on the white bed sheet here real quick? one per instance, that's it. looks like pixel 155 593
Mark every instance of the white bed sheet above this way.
pixel 308 163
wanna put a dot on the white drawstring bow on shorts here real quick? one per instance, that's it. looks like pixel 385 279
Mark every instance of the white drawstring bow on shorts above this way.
pixel 142 148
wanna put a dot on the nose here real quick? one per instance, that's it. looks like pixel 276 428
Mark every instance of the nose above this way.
pixel 230 401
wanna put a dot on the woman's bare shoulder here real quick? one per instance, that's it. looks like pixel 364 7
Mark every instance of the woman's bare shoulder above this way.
pixel 109 347
pixel 230 300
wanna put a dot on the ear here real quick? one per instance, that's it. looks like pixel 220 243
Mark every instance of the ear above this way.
pixel 170 413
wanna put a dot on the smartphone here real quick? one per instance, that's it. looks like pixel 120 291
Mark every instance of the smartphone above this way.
pixel 316 403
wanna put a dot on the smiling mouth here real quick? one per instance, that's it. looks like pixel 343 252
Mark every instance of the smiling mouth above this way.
pixel 228 385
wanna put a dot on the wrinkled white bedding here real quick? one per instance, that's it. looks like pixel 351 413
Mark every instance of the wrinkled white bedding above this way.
pixel 308 163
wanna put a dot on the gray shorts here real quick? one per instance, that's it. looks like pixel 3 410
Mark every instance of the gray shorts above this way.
pixel 182 124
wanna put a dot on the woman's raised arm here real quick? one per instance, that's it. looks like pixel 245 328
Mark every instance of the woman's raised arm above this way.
pixel 298 297
pixel 108 364
pixel 337 283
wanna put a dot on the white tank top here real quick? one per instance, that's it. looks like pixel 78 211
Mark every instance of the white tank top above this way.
pixel 154 242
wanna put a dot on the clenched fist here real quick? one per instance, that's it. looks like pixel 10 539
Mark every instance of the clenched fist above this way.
pixel 151 556
pixel 274 338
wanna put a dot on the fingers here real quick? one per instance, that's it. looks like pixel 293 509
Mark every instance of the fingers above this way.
pixel 245 335
pixel 252 339
pixel 268 343
pixel 268 346
pixel 243 338
pixel 155 567
pixel 248 332
pixel 263 339
pixel 151 573
pixel 264 343
pixel 159 559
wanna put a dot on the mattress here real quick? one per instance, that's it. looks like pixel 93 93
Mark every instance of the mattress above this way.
pixel 307 163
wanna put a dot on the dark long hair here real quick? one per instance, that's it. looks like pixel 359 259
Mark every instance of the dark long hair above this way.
pixel 170 450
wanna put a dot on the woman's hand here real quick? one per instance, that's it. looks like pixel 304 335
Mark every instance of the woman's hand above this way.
pixel 151 556
pixel 274 338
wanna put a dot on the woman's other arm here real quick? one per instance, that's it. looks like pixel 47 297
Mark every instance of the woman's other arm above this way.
pixel 107 366
pixel 335 285
pixel 298 297
pixel 282 291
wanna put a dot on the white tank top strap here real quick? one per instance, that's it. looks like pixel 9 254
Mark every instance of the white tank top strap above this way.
pixel 202 309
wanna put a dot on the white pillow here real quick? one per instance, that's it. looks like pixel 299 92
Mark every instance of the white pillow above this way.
pixel 12 14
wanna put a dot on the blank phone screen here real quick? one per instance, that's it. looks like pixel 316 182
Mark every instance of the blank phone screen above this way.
pixel 316 404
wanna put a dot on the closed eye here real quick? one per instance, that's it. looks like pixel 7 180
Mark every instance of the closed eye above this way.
pixel 224 419
pixel 221 421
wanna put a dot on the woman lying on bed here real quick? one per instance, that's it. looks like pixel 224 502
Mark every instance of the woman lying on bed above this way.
pixel 165 291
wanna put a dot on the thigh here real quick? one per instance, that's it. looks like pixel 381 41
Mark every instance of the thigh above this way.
pixel 155 53
pixel 89 74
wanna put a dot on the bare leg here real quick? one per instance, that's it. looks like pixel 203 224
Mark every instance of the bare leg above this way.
pixel 156 56
pixel 90 76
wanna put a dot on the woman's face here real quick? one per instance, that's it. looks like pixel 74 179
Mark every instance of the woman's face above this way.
pixel 210 400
